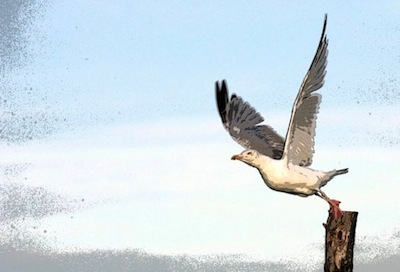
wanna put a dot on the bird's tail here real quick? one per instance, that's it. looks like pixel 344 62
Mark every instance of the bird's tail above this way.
pixel 333 173
pixel 340 172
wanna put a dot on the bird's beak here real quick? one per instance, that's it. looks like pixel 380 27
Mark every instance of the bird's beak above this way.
pixel 236 157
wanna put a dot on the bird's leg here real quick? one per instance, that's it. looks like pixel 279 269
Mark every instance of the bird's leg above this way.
pixel 333 204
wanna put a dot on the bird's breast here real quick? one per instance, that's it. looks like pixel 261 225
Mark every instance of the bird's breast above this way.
pixel 295 180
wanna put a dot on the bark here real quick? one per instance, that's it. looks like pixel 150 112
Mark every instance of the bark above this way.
pixel 339 242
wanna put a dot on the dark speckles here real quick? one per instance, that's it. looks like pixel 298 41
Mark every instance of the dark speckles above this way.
pixel 340 235
pixel 19 201
pixel 17 18
pixel 22 208
pixel 20 127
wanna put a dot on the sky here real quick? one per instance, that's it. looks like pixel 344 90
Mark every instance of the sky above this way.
pixel 111 139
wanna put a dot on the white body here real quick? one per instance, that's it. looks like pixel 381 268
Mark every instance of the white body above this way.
pixel 279 175
pixel 290 178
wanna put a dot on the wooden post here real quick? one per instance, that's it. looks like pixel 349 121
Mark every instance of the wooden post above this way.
pixel 339 242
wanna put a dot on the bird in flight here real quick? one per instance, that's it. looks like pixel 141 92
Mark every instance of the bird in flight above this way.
pixel 283 163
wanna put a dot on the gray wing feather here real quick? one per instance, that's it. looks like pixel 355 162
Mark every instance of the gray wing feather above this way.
pixel 241 120
pixel 299 144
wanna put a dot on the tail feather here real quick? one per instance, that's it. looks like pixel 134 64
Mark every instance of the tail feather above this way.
pixel 340 172
pixel 333 173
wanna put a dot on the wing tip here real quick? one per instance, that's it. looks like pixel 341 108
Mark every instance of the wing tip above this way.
pixel 221 93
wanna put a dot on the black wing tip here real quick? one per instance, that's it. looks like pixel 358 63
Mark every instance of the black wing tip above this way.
pixel 322 50
pixel 223 85
pixel 323 35
pixel 221 93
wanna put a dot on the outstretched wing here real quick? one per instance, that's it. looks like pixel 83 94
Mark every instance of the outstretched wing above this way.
pixel 299 143
pixel 241 121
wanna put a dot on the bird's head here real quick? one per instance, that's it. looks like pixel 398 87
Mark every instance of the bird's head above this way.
pixel 249 156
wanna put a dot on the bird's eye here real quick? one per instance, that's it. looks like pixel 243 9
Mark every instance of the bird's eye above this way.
pixel 249 153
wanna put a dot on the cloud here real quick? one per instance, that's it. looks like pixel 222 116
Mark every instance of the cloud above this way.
pixel 138 260
pixel 135 260
pixel 190 180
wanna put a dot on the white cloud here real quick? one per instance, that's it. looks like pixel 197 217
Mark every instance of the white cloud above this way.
pixel 172 192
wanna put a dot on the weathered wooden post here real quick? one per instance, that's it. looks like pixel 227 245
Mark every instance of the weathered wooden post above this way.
pixel 339 242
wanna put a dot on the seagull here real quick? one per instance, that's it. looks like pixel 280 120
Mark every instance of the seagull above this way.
pixel 283 163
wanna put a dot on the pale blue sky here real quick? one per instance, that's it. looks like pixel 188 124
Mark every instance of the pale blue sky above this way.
pixel 126 94
pixel 150 54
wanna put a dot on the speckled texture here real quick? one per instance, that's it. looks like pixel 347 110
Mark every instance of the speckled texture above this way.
pixel 16 20
pixel 19 201
pixel 27 114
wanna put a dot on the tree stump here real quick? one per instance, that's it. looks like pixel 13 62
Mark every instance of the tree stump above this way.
pixel 339 242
